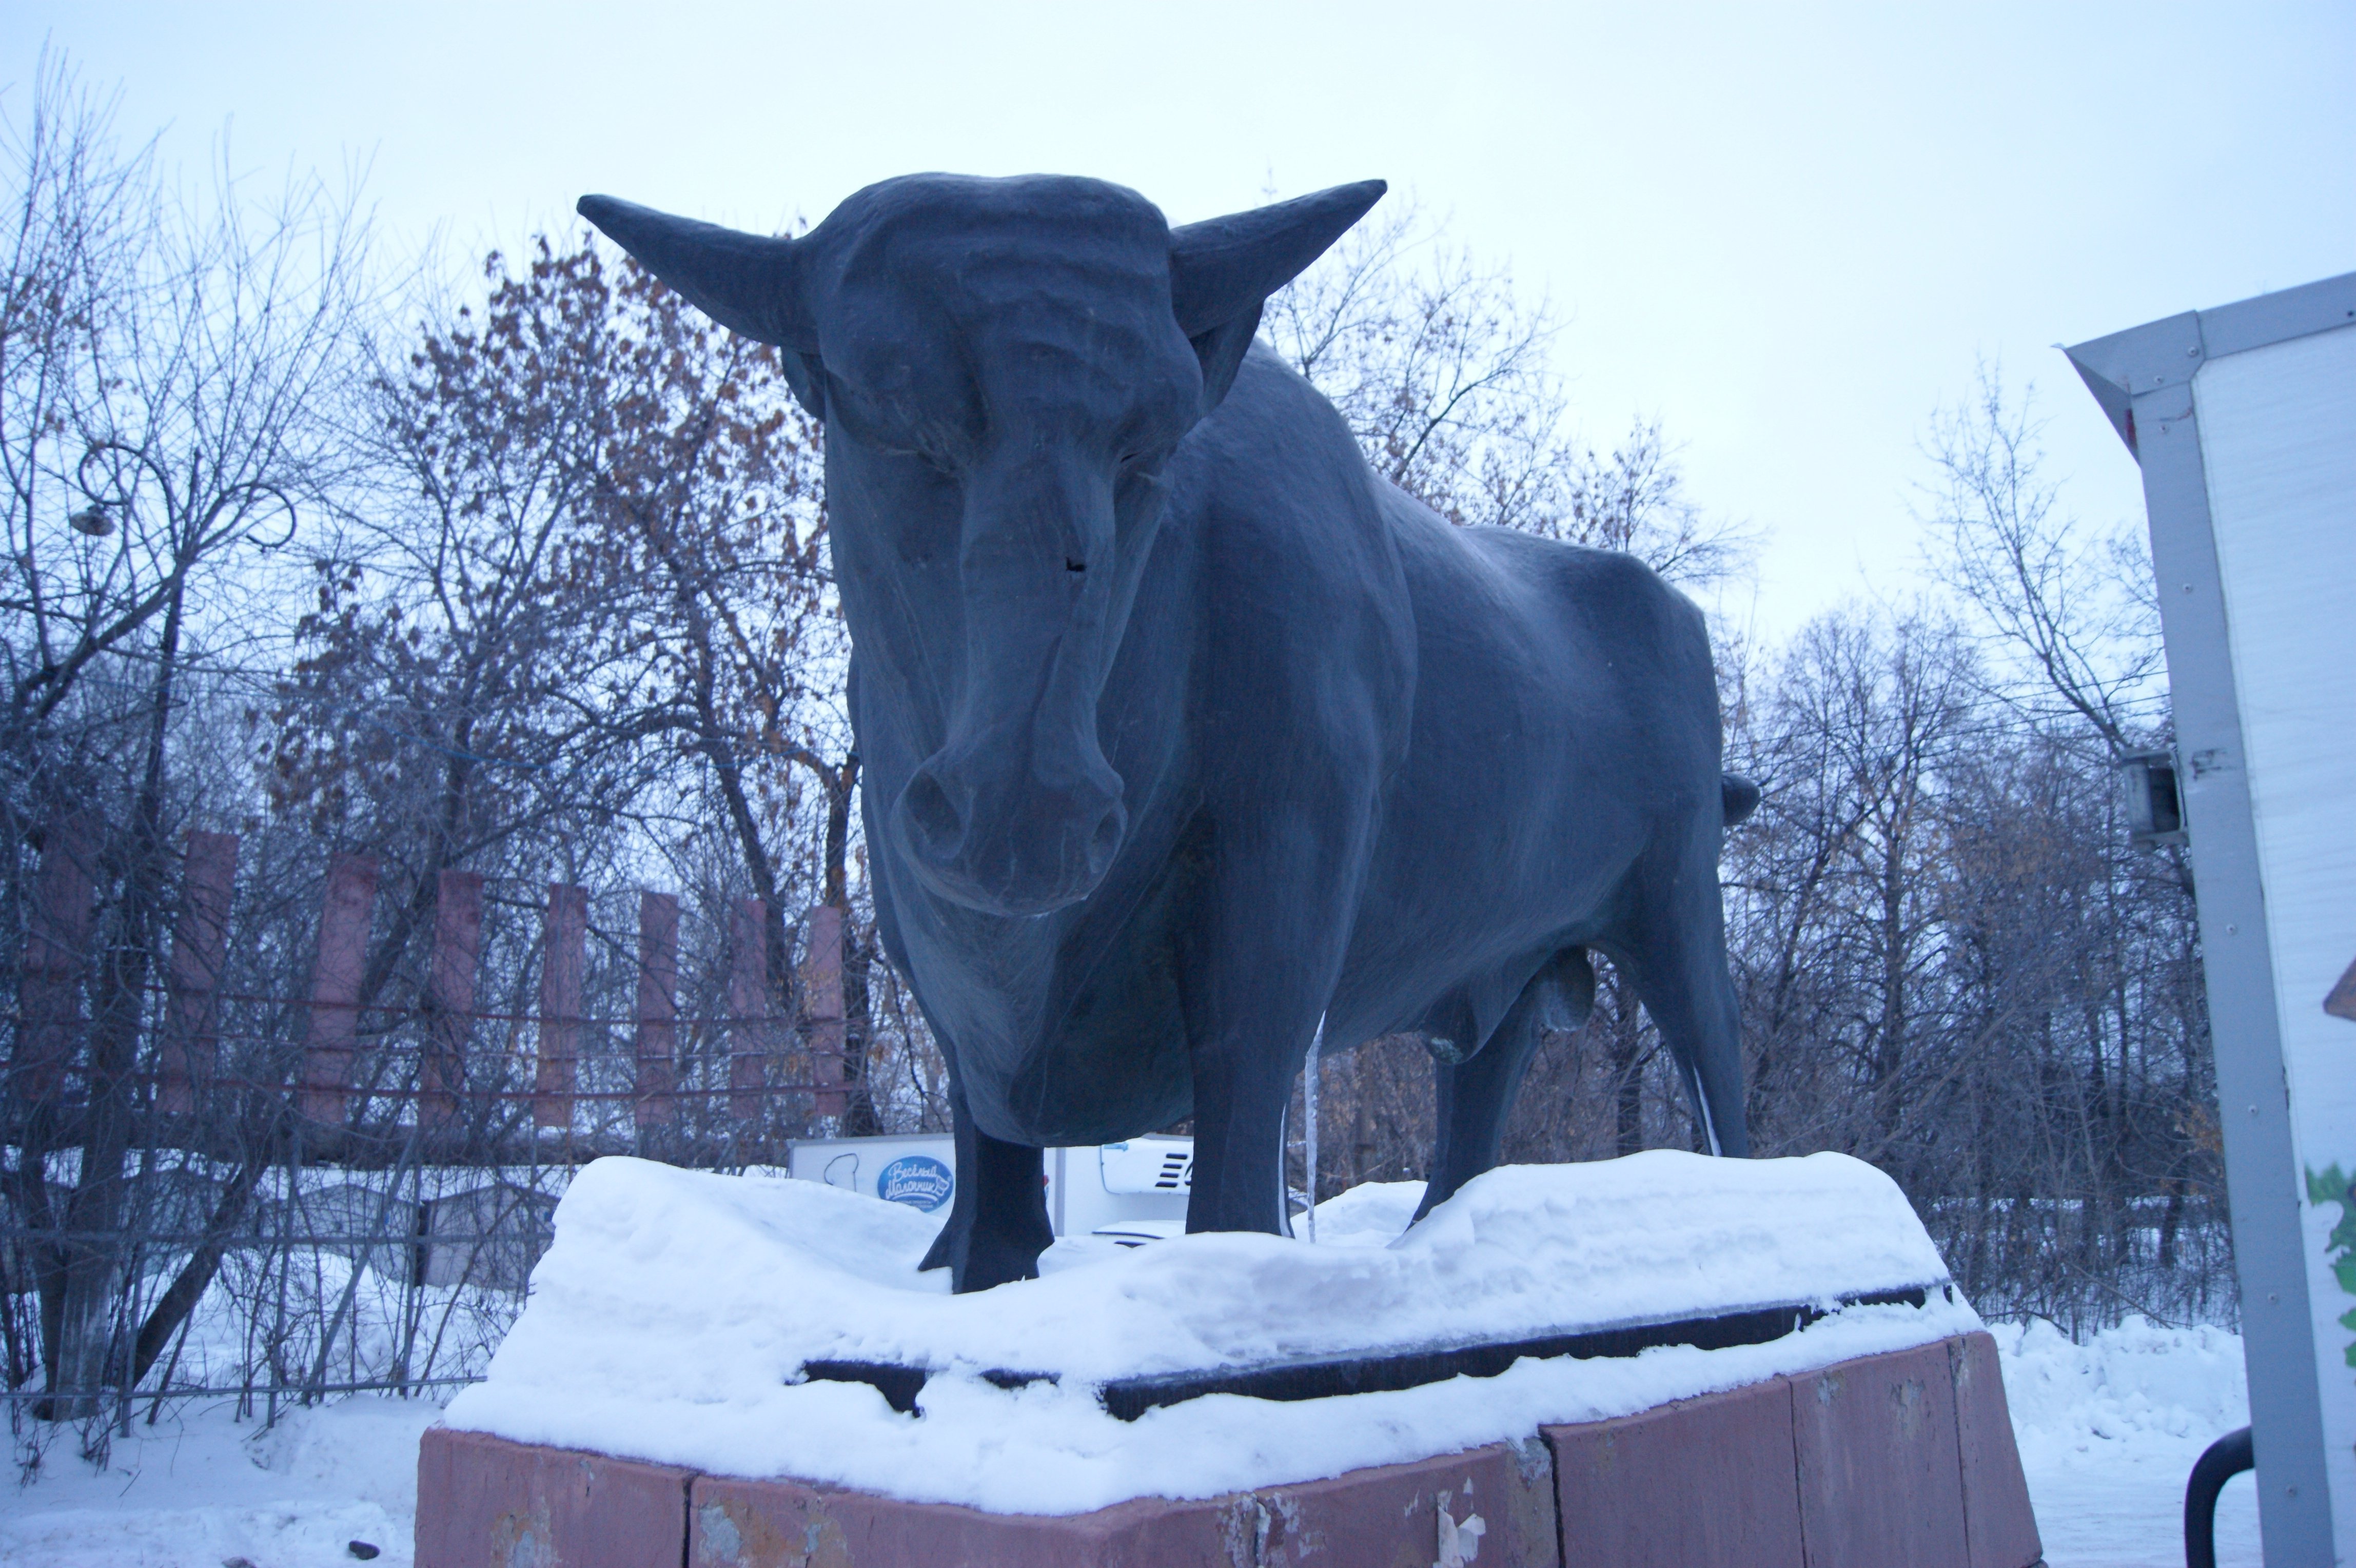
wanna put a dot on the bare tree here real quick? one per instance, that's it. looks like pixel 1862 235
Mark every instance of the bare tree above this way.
pixel 710 501
pixel 595 589
pixel 455 667
pixel 1439 369
pixel 2066 614
pixel 1842 875
pixel 172 368
pixel 2065 609
pixel 1443 374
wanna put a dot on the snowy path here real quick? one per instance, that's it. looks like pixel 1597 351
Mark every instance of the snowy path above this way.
pixel 2126 1511
pixel 2108 1430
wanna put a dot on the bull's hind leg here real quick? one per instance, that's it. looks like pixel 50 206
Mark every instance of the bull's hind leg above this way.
pixel 1474 1097
pixel 1674 953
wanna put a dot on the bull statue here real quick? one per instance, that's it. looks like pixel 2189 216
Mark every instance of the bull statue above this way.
pixel 1181 732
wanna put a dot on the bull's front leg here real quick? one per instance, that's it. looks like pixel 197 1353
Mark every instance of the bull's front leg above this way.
pixel 998 1223
pixel 1242 1083
pixel 1257 974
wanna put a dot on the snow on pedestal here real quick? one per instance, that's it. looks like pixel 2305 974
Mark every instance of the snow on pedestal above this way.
pixel 673 1317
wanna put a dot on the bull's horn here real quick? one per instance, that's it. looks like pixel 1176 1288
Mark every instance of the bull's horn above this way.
pixel 748 282
pixel 1225 267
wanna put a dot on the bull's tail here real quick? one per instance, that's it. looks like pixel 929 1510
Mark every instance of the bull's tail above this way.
pixel 1738 796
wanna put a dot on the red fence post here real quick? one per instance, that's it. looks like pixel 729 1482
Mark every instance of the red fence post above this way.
pixel 748 1005
pixel 57 952
pixel 822 1005
pixel 565 933
pixel 657 1042
pixel 344 916
pixel 191 1049
pixel 449 994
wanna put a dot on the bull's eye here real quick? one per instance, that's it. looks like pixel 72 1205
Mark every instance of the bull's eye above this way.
pixel 1072 565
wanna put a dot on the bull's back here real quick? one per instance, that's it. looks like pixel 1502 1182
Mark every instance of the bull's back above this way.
pixel 1565 717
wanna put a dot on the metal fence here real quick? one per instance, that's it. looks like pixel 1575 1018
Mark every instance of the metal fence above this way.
pixel 213 1186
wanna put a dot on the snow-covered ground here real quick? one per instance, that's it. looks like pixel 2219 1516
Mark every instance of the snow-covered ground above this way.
pixel 200 1489
pixel 2108 1430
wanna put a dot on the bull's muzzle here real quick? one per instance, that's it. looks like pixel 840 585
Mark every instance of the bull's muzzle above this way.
pixel 1009 843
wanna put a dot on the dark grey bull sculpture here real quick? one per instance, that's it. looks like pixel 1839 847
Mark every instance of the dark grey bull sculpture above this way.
pixel 1181 728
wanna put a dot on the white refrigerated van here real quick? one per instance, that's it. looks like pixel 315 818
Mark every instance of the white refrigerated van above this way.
pixel 1131 1192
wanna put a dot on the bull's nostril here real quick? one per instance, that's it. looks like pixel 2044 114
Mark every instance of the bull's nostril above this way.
pixel 1104 842
pixel 932 815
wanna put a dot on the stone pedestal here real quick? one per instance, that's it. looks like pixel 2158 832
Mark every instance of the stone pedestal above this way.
pixel 1905 1458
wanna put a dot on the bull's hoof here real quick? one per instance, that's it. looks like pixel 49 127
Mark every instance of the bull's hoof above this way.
pixel 979 1262
pixel 990 1268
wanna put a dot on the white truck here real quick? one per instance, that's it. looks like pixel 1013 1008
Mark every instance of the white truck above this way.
pixel 1130 1193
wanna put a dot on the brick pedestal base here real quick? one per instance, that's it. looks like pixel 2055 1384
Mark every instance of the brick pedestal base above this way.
pixel 1900 1459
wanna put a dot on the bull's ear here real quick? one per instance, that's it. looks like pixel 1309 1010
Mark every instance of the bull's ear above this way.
pixel 1223 270
pixel 748 282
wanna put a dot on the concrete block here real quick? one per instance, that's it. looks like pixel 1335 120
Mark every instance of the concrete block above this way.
pixel 1999 1524
pixel 1498 1501
pixel 736 1523
pixel 1704 1483
pixel 1385 1517
pixel 485 1502
pixel 1898 1459
pixel 1880 1478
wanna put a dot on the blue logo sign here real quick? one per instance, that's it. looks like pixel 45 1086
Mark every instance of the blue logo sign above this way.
pixel 918 1180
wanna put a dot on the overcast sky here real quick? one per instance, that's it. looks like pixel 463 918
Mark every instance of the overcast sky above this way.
pixel 1788 231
